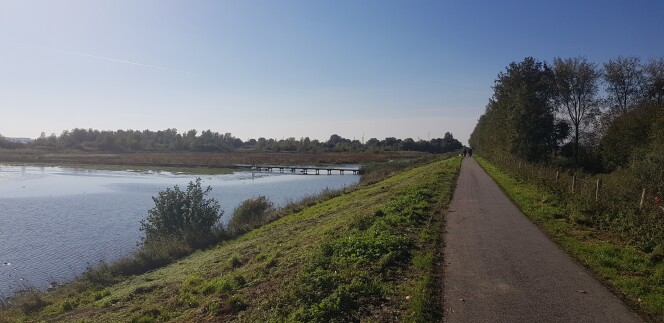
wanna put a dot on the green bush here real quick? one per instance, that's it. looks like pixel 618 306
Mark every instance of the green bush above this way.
pixel 30 302
pixel 67 306
pixel 183 214
pixel 102 275
pixel 250 214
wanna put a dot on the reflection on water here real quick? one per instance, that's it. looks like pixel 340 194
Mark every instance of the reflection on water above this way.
pixel 54 222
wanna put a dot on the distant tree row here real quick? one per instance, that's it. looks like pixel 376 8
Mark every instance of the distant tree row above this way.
pixel 9 144
pixel 576 113
pixel 132 140
pixel 171 140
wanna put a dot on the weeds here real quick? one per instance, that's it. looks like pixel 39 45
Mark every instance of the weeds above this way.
pixel 30 301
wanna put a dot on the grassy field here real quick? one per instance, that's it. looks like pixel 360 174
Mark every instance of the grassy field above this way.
pixel 369 254
pixel 631 273
pixel 194 160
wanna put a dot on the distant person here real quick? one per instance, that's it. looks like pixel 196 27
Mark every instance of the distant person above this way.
pixel 464 152
pixel 470 152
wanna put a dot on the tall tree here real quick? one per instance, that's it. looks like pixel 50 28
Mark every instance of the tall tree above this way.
pixel 624 80
pixel 576 84
pixel 522 99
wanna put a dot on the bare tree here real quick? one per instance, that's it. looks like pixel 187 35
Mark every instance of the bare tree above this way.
pixel 624 81
pixel 576 84
pixel 654 80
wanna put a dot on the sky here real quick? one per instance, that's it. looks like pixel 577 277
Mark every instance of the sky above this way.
pixel 290 68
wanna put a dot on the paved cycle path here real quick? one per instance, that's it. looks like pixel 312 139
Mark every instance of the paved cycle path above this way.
pixel 499 267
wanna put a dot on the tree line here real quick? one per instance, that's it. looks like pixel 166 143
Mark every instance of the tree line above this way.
pixel 209 141
pixel 575 113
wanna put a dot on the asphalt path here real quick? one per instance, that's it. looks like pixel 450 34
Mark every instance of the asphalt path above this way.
pixel 499 267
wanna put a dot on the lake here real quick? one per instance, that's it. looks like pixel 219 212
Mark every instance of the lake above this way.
pixel 56 221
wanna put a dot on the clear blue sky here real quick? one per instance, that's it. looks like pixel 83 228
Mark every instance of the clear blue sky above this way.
pixel 282 69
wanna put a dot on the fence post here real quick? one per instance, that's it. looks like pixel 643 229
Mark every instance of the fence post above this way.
pixel 597 187
pixel 643 198
pixel 557 175
pixel 573 182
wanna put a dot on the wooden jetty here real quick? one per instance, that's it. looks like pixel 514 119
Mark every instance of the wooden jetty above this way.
pixel 313 170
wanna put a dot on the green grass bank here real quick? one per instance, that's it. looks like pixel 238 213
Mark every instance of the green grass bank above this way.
pixel 370 254
pixel 633 274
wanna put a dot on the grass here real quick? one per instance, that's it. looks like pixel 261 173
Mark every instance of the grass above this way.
pixel 198 163
pixel 194 161
pixel 368 254
pixel 630 272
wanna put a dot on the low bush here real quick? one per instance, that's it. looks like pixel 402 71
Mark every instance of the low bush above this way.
pixel 30 301
pixel 250 214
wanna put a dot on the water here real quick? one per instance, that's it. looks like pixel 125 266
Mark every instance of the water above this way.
pixel 55 222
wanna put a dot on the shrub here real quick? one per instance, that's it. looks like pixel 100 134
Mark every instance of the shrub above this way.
pixel 67 306
pixel 30 302
pixel 250 214
pixel 187 214
pixel 101 275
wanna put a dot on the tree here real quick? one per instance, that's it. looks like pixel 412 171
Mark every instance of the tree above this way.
pixel 520 115
pixel 9 144
pixel 182 214
pixel 654 80
pixel 648 167
pixel 409 144
pixel 624 83
pixel 373 143
pixel 575 94
pixel 627 137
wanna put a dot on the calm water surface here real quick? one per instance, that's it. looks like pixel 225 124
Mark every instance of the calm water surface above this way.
pixel 55 222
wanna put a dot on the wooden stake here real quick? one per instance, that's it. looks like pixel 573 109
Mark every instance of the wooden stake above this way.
pixel 597 187
pixel 557 175
pixel 573 182
pixel 643 198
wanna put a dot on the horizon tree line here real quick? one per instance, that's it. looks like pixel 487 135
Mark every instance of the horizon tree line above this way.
pixel 209 141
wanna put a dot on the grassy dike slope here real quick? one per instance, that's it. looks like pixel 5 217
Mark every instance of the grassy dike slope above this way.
pixel 369 254
pixel 624 269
